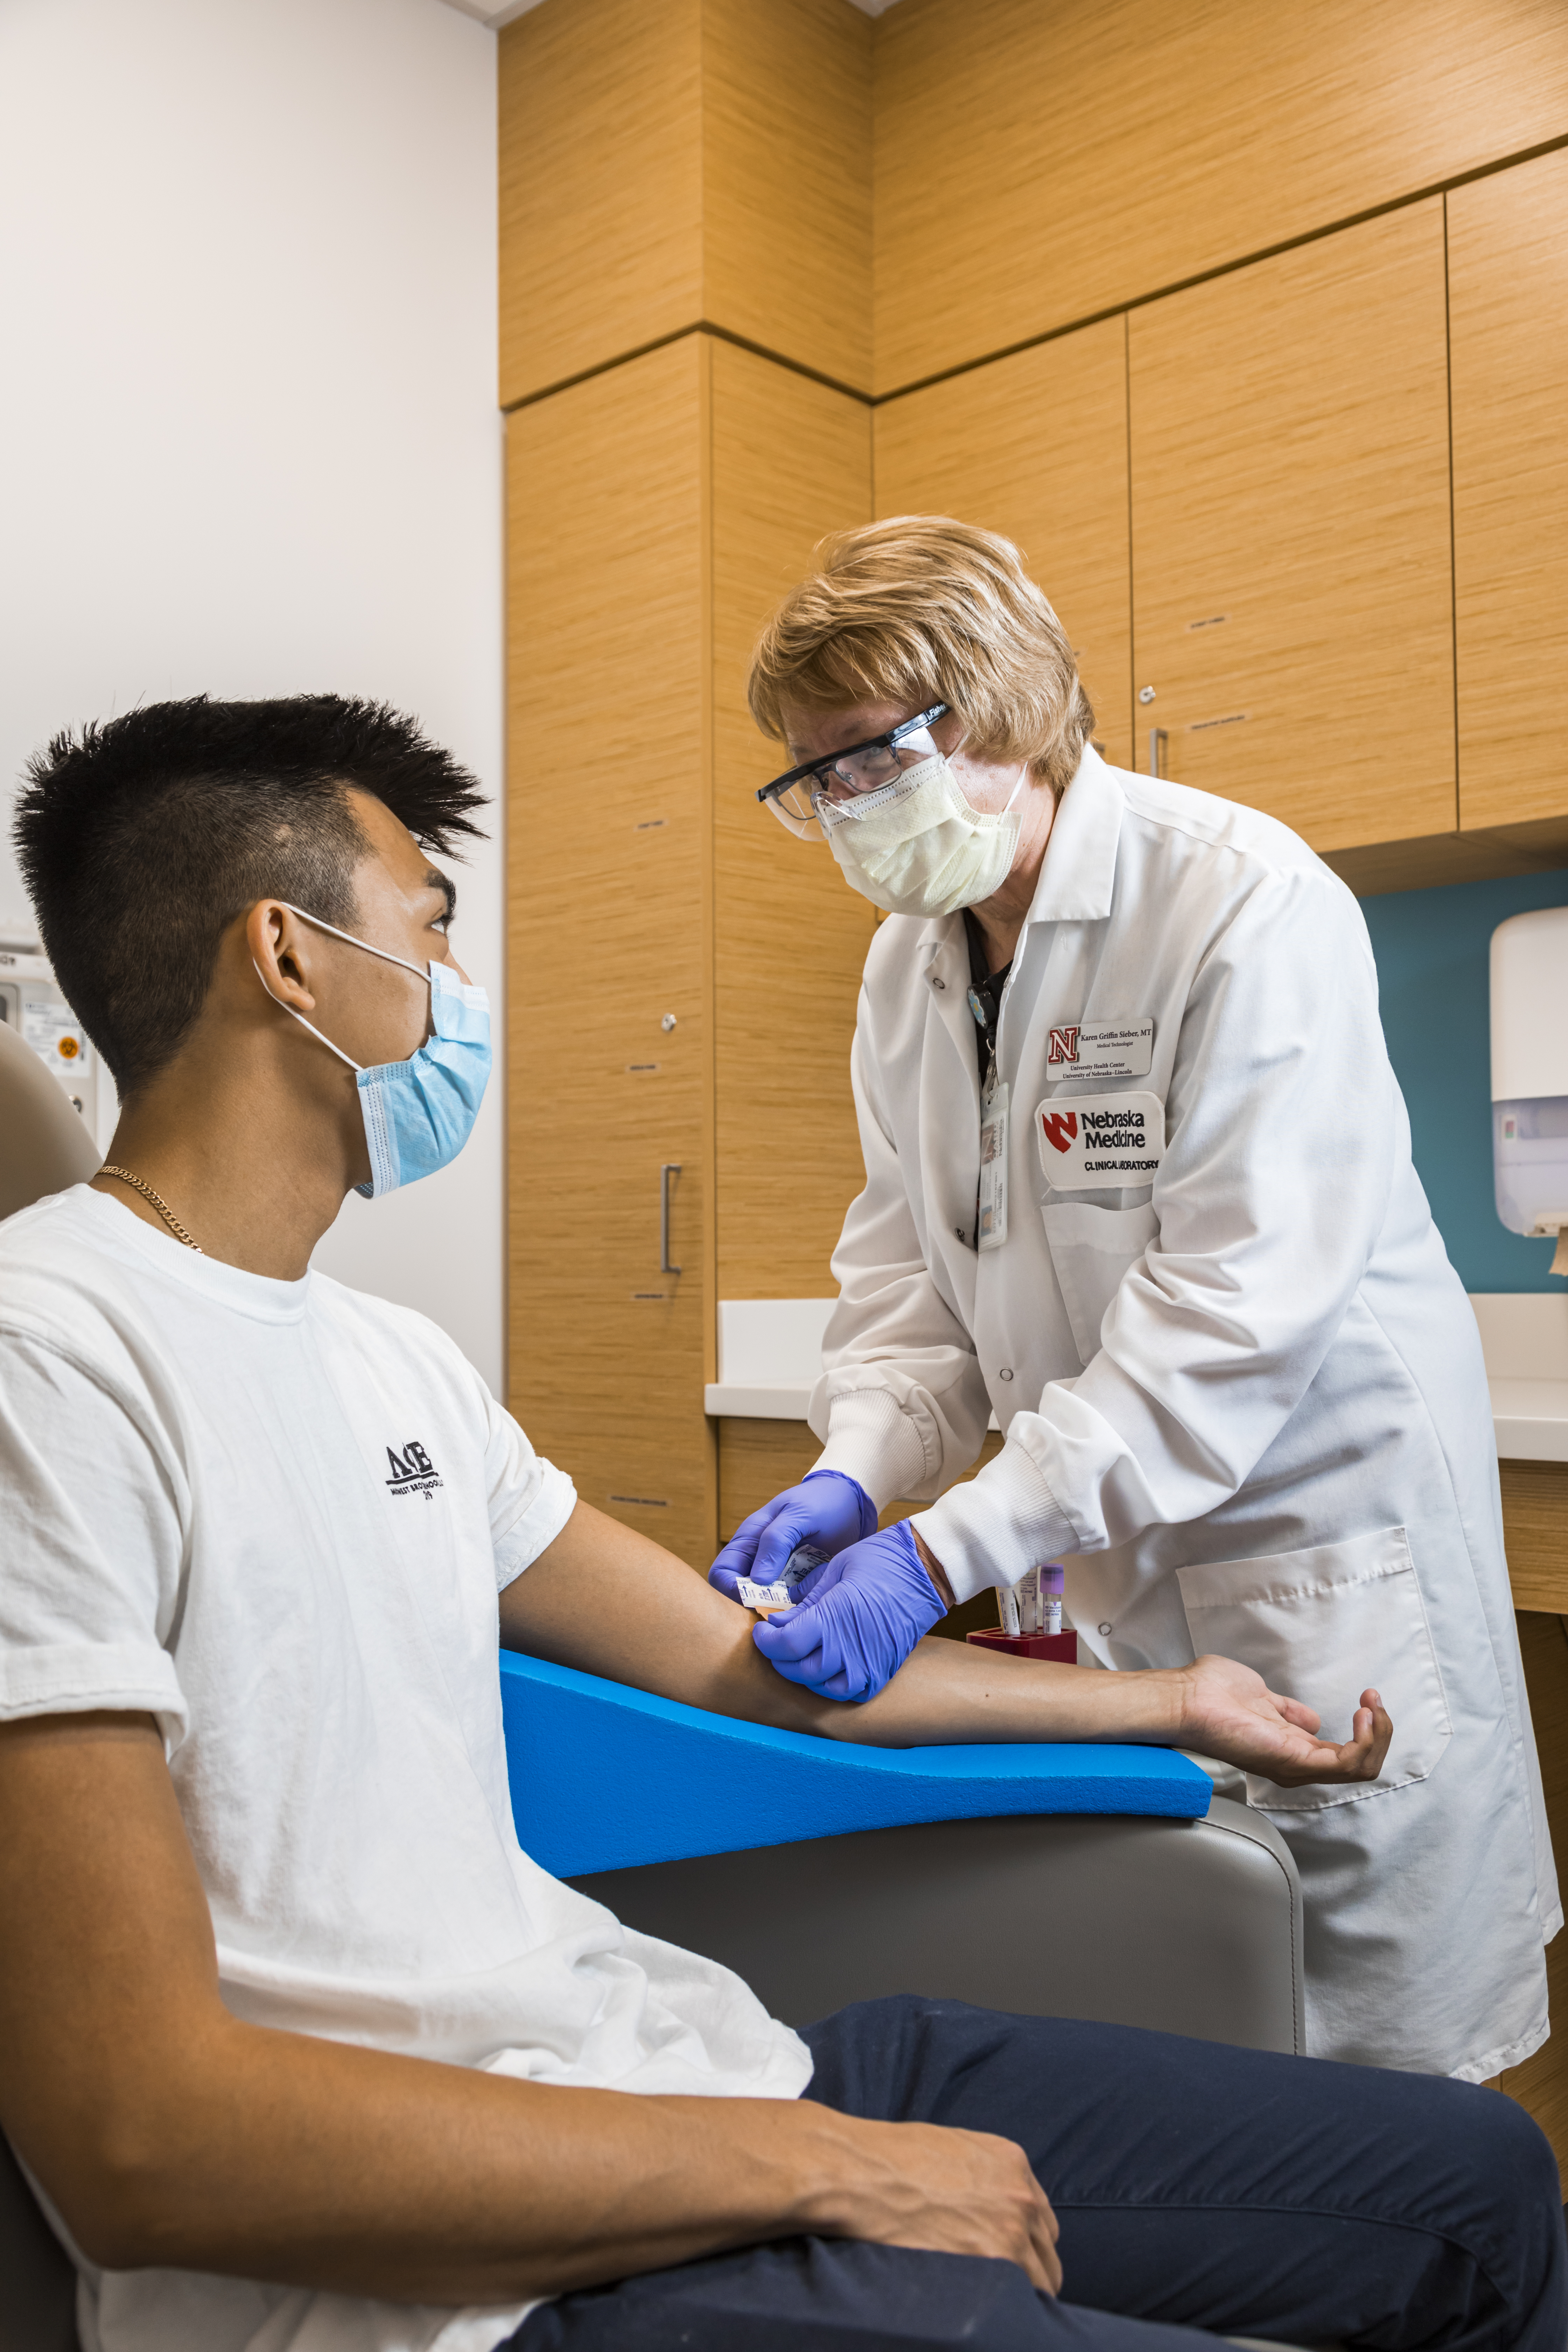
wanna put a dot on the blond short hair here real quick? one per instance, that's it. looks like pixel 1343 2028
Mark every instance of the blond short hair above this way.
pixel 918 609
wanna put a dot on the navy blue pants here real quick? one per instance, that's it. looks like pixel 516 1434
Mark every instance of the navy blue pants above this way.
pixel 1196 2187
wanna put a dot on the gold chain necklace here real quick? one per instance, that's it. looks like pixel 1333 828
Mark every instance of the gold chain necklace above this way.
pixel 138 1184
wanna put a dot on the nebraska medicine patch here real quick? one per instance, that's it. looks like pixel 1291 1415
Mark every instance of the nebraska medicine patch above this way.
pixel 1094 1142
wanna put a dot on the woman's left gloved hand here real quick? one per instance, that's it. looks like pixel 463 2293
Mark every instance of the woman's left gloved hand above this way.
pixel 857 1618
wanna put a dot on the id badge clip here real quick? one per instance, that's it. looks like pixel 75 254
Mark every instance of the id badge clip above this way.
pixel 991 1217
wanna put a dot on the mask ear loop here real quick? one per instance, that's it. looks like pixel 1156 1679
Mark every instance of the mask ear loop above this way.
pixel 1024 775
pixel 420 972
pixel 357 1067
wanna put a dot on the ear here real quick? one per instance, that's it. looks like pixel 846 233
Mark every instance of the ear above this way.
pixel 281 948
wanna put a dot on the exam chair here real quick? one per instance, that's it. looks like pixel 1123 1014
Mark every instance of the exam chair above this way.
pixel 45 1146
pixel 44 1141
pixel 1105 1882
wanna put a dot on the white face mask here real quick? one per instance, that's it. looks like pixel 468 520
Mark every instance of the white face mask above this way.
pixel 917 847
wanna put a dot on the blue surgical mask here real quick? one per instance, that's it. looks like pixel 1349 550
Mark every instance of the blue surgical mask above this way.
pixel 418 1114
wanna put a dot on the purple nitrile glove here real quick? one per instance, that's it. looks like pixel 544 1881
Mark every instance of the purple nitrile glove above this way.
pixel 827 1510
pixel 856 1620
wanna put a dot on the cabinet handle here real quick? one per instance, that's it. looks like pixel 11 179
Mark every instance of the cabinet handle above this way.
pixel 1157 739
pixel 671 1168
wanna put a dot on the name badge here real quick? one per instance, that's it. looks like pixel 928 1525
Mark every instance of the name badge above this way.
pixel 1099 1142
pixel 991 1209
pixel 1101 1049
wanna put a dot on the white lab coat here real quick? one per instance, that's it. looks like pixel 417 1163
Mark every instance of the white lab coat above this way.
pixel 1246 1404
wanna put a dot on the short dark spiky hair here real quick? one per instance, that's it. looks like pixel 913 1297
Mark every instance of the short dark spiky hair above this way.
pixel 142 838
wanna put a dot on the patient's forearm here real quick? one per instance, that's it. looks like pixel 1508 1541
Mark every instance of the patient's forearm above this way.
pixel 275 2156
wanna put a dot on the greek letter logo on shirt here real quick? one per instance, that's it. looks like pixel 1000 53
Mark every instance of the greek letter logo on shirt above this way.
pixel 412 1472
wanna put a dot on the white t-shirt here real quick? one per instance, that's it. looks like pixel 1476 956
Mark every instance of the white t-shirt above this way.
pixel 277 1515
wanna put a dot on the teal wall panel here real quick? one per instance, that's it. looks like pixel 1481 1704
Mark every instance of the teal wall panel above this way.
pixel 1431 948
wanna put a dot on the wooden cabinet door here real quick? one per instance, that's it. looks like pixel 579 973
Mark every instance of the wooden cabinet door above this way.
pixel 792 461
pixel 1508 292
pixel 1292 601
pixel 1035 446
pixel 1041 162
pixel 607 861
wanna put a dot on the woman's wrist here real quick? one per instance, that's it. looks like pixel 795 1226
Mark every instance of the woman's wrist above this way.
pixel 934 1569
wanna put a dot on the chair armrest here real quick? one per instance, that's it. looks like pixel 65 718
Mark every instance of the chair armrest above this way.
pixel 607 1778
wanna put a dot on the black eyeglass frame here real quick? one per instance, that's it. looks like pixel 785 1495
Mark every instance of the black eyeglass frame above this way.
pixel 888 742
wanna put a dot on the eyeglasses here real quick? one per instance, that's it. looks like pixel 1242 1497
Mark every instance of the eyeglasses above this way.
pixel 861 768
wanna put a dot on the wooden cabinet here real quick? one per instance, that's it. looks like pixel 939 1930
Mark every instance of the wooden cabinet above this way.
pixel 703 162
pixel 1292 611
pixel 1035 446
pixel 1508 293
pixel 1039 166
pixel 608 878
pixel 656 510
pixel 791 460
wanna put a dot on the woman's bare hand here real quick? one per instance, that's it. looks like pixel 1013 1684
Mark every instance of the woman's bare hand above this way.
pixel 1230 1713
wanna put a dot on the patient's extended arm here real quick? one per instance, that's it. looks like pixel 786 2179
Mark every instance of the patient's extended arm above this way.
pixel 607 1599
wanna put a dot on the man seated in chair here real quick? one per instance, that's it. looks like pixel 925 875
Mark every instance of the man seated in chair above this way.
pixel 302 2052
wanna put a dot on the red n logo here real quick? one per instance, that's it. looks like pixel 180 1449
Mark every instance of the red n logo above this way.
pixel 1062 1127
pixel 1064 1045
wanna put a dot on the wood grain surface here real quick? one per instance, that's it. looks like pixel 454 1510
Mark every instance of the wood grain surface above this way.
pixel 1508 295
pixel 791 460
pixel 601 184
pixel 1036 446
pixel 607 849
pixel 1540 2085
pixel 786 180
pixel 1422 862
pixel 1036 166
pixel 1290 533
pixel 1535 1533
pixel 704 160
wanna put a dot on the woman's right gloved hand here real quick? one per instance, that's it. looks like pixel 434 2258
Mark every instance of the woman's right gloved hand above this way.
pixel 827 1510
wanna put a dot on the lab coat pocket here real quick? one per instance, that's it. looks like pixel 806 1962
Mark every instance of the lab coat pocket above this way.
pixel 1323 1626
pixel 1091 1249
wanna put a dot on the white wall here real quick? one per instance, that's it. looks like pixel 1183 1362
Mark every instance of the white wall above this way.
pixel 248 437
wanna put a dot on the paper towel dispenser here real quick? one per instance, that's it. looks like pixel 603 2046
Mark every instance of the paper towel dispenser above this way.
pixel 1530 1071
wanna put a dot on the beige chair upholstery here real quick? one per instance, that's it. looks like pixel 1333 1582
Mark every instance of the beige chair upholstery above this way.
pixel 44 1143
pixel 44 1147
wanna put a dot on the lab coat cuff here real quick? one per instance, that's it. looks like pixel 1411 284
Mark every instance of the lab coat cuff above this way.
pixel 994 1528
pixel 870 1439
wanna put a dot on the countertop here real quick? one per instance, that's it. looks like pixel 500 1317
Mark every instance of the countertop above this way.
pixel 770 1351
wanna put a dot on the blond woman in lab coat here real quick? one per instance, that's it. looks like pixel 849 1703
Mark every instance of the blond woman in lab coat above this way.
pixel 1138 1181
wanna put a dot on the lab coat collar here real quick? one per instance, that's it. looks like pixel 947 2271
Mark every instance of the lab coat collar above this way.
pixel 1078 874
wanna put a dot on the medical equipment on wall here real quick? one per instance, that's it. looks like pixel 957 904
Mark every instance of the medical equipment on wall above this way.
pixel 33 1003
pixel 1529 1074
